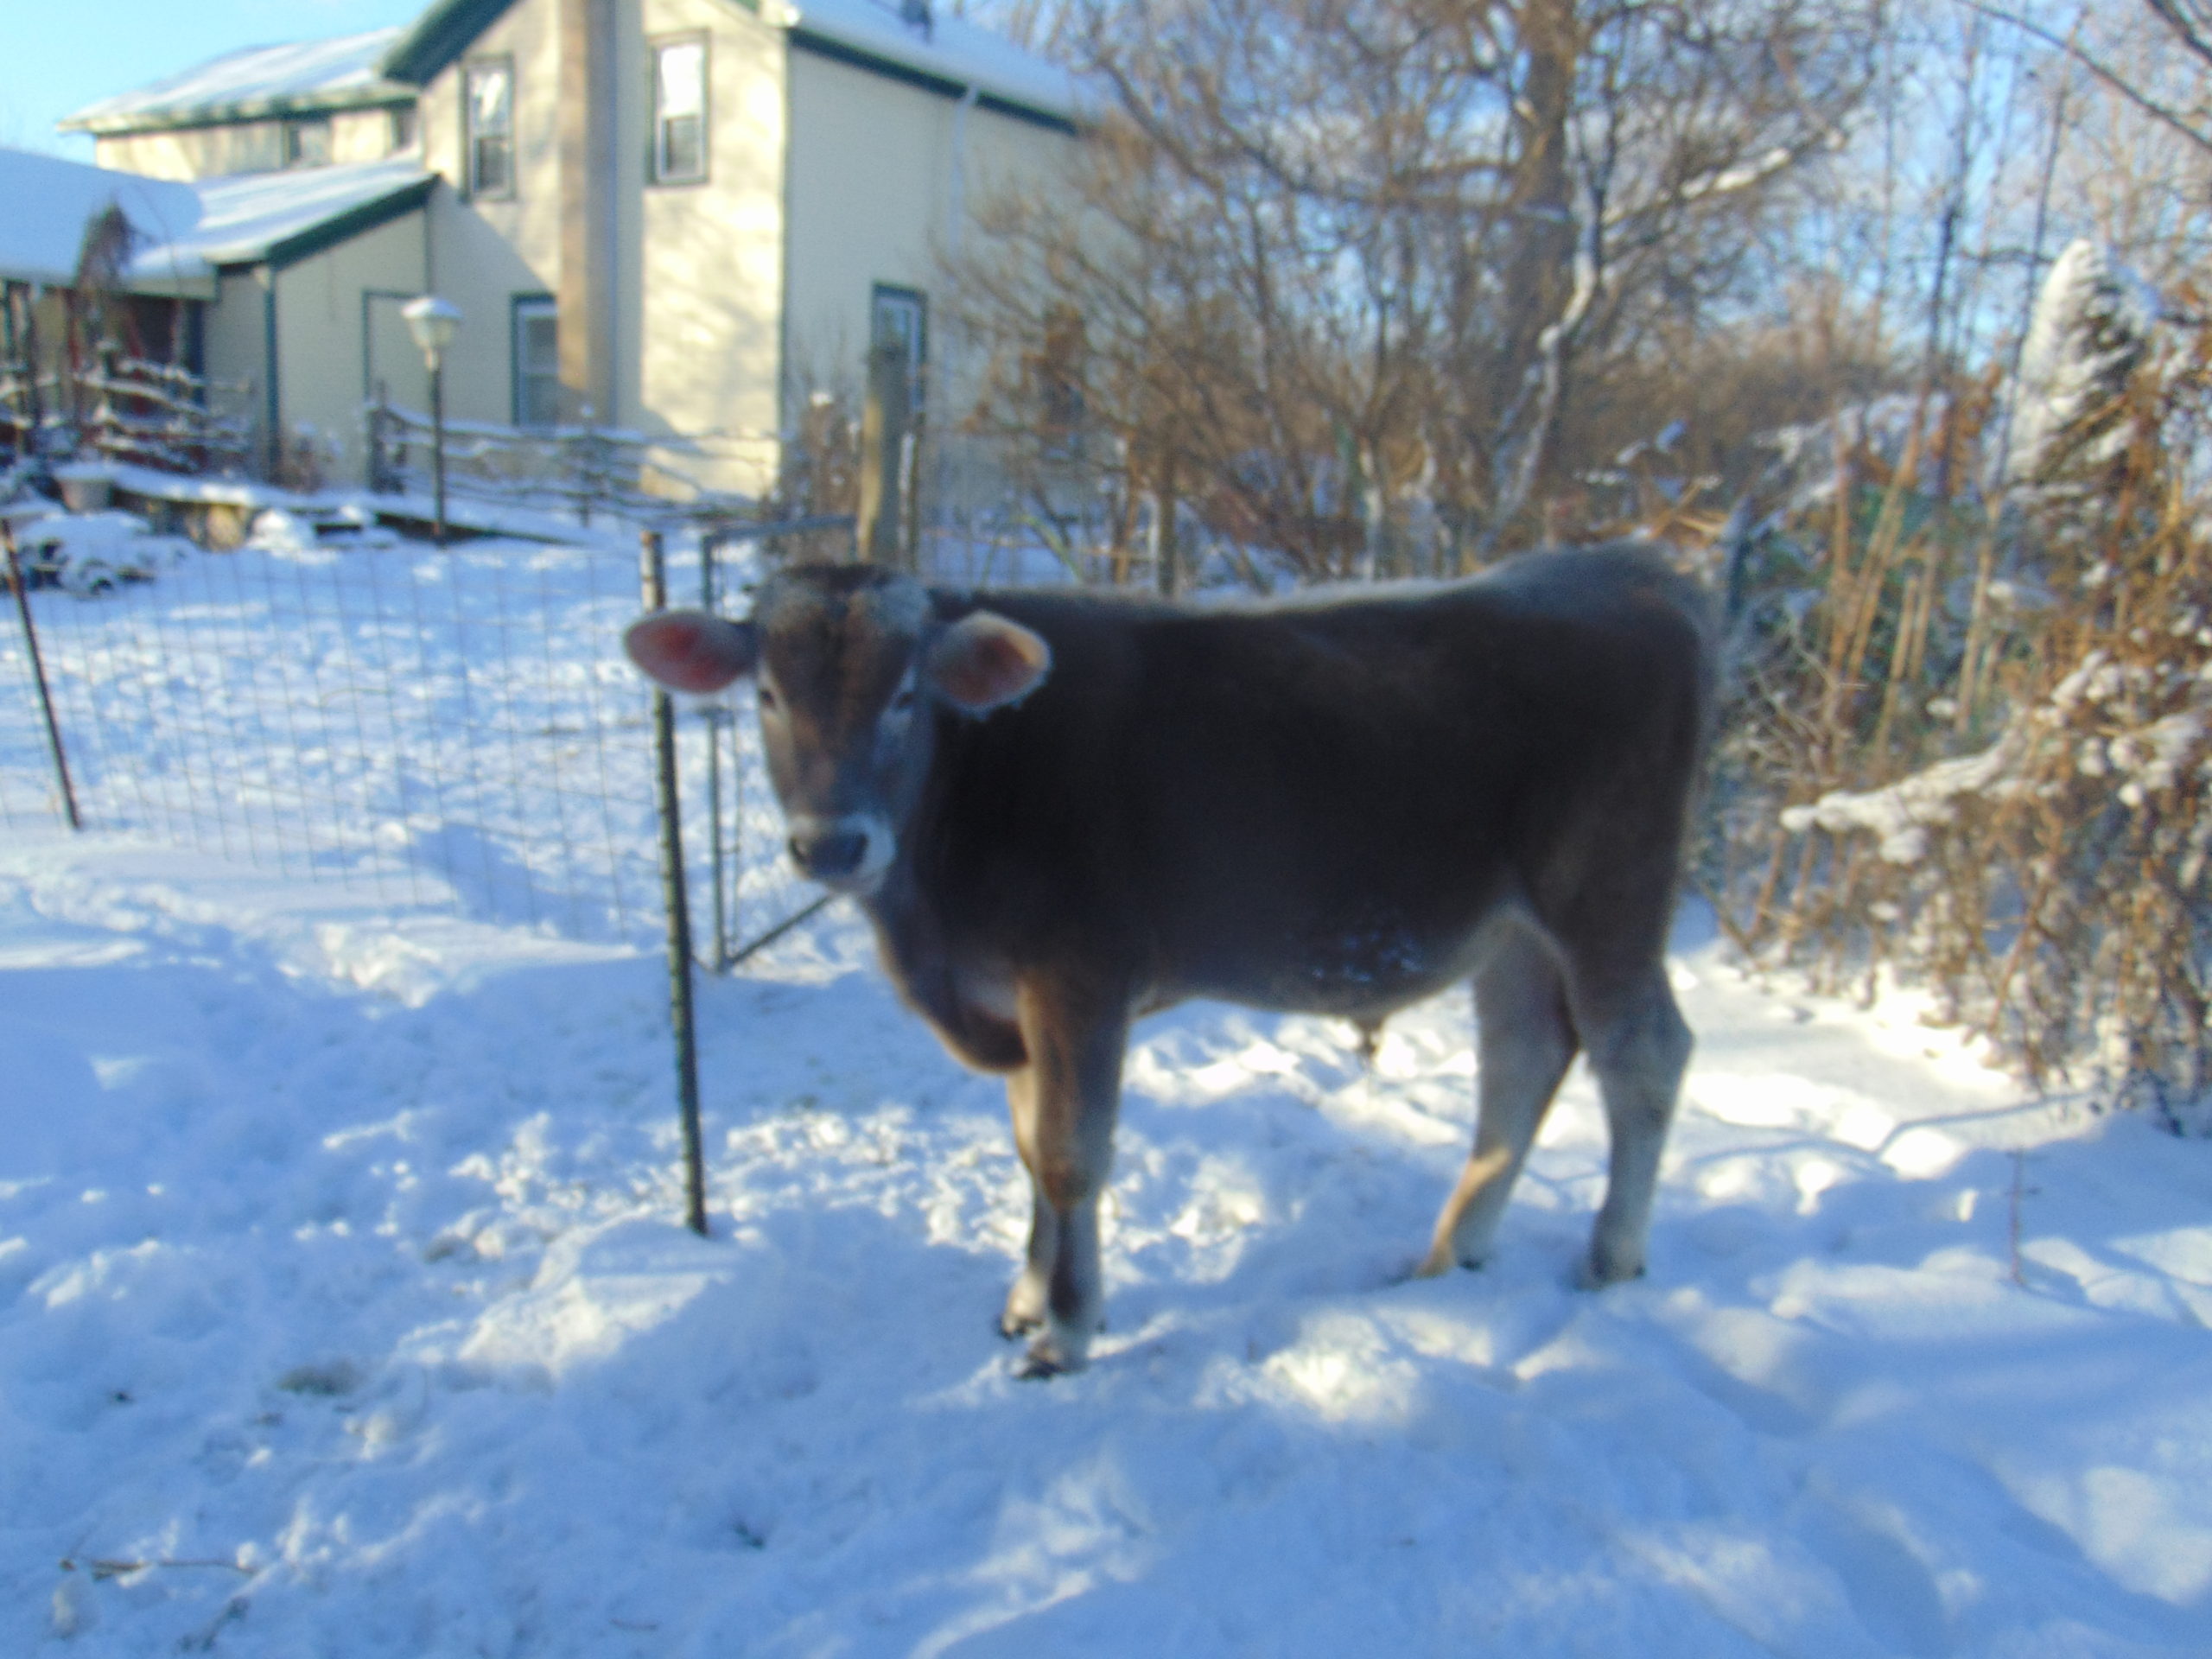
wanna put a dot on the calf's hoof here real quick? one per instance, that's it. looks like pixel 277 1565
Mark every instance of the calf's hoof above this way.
pixel 1602 1268
pixel 1024 1313
pixel 1441 1259
pixel 1434 1265
pixel 1057 1350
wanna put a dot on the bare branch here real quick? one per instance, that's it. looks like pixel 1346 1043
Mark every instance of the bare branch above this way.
pixel 2191 21
pixel 2103 72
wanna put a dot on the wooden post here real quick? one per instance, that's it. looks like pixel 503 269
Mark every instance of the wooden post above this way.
pixel 34 406
pixel 373 471
pixel 884 419
pixel 1165 554
pixel 653 571
pixel 717 716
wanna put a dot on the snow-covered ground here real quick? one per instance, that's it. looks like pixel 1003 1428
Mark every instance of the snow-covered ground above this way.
pixel 449 731
pixel 345 1311
pixel 341 1321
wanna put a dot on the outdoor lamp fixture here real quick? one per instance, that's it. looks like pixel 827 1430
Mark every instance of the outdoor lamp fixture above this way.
pixel 432 321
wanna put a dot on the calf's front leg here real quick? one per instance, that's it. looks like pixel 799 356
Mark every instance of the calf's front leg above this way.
pixel 1064 1104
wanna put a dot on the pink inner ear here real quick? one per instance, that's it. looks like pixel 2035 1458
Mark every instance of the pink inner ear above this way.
pixel 686 651
pixel 988 662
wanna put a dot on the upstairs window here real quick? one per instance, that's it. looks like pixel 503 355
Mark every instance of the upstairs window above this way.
pixel 307 143
pixel 401 134
pixel 680 111
pixel 252 147
pixel 489 114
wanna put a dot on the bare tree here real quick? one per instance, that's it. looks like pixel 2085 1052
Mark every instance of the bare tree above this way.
pixel 1342 269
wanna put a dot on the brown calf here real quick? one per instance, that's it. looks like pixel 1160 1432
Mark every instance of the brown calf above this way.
pixel 1062 811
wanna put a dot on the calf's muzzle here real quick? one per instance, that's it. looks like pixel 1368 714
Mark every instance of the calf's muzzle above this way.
pixel 828 855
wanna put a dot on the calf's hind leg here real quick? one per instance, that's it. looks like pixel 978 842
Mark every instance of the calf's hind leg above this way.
pixel 1524 1043
pixel 1639 1047
pixel 1064 1104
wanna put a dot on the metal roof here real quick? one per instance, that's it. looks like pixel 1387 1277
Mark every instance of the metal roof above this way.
pixel 189 230
pixel 258 82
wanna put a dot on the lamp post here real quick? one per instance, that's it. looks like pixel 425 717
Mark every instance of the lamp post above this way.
pixel 432 321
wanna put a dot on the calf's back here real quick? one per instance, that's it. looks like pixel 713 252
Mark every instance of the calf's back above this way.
pixel 1316 804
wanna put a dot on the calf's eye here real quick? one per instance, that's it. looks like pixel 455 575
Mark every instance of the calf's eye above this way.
pixel 767 699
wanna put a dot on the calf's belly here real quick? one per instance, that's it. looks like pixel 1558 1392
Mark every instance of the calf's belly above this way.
pixel 1356 972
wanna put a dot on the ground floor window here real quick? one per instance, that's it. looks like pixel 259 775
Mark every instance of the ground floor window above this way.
pixel 901 316
pixel 538 361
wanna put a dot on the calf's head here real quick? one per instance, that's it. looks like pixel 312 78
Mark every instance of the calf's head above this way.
pixel 851 664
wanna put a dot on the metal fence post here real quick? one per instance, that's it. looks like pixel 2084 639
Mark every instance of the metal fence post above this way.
pixel 38 674
pixel 653 569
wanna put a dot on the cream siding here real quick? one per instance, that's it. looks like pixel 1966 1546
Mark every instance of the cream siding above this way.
pixel 483 253
pixel 363 135
pixel 235 345
pixel 210 152
pixel 708 256
pixel 876 165
pixel 194 152
pixel 321 345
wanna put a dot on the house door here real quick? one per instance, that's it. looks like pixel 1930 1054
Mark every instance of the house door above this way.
pixel 390 358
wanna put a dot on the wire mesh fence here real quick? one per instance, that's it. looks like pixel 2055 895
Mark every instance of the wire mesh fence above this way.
pixel 448 731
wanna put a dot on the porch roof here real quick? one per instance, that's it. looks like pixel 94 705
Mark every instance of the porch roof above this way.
pixel 50 200
pixel 250 219
pixel 187 231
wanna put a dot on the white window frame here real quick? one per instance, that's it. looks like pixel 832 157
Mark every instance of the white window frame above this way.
pixel 888 304
pixel 663 170
pixel 527 307
pixel 473 138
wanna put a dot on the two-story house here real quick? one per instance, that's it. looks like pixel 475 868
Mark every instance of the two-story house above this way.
pixel 675 217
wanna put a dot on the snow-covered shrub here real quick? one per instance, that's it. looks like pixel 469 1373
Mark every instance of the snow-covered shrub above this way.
pixel 89 553
pixel 1972 739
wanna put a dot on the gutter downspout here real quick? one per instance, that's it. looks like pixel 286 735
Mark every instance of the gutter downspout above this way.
pixel 272 404
pixel 957 208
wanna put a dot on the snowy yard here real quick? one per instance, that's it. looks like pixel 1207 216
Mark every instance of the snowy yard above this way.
pixel 371 1314
pixel 344 1311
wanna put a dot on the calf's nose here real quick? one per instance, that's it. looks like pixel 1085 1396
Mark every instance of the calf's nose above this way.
pixel 827 856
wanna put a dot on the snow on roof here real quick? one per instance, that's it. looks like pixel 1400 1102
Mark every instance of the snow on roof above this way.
pixel 357 69
pixel 252 216
pixel 949 48
pixel 50 200
pixel 186 229
pixel 260 81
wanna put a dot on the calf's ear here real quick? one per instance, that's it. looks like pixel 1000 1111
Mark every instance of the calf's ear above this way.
pixel 690 651
pixel 984 662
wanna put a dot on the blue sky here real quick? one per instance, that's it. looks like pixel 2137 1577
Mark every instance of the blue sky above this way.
pixel 55 58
